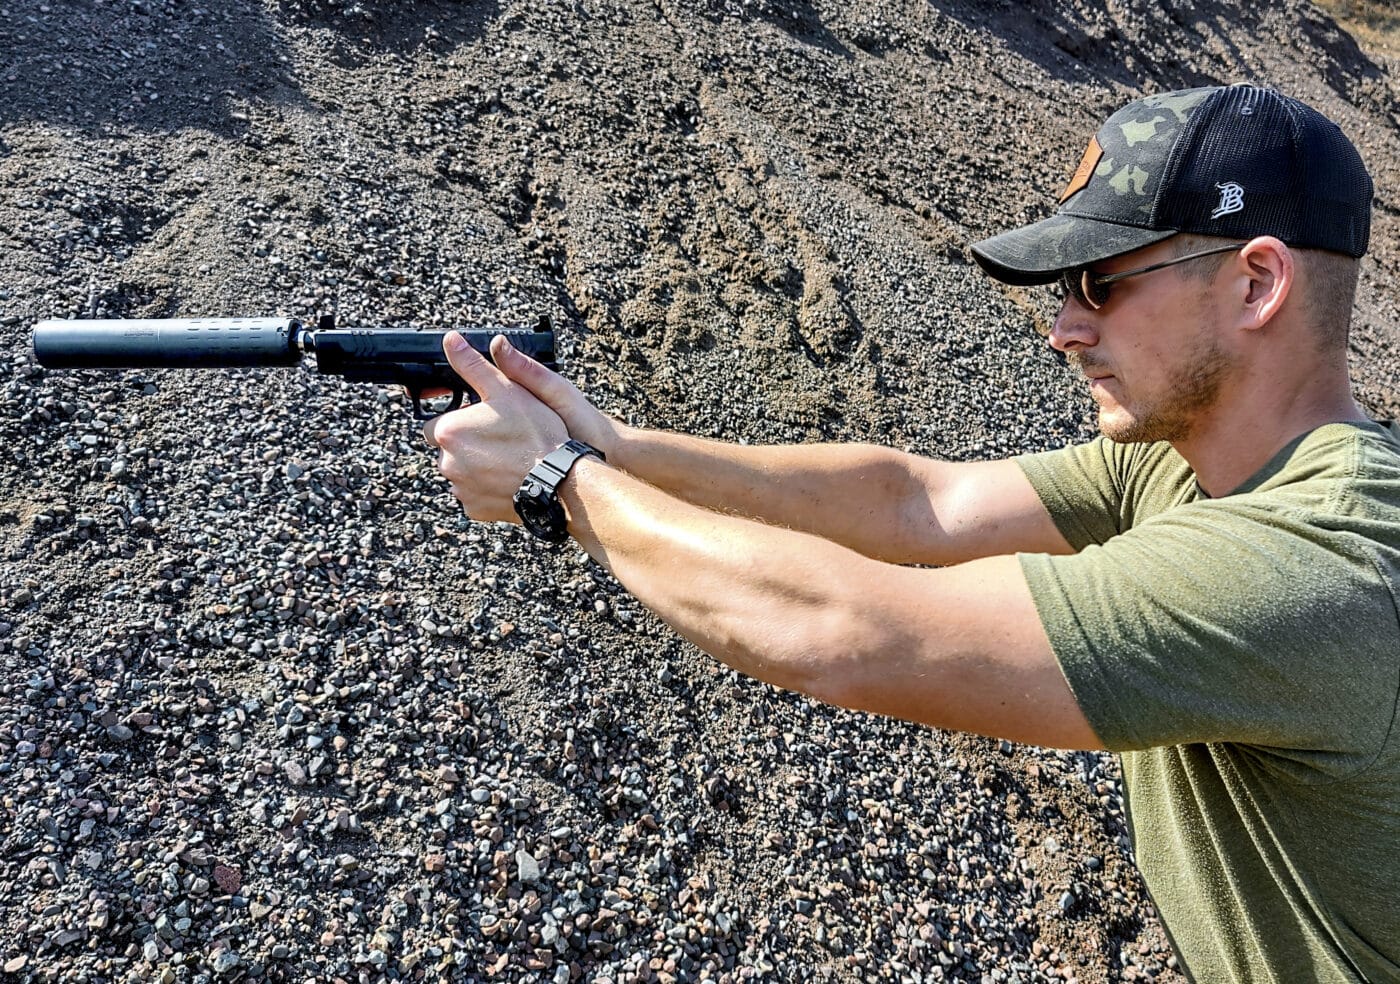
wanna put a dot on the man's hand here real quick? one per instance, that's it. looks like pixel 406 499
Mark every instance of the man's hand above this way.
pixel 585 421
pixel 487 448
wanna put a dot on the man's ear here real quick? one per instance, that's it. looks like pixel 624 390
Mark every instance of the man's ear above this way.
pixel 1267 268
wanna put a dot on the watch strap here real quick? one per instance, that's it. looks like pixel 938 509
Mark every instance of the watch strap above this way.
pixel 554 467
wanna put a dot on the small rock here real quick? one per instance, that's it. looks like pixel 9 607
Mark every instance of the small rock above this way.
pixel 226 963
pixel 228 879
pixel 528 867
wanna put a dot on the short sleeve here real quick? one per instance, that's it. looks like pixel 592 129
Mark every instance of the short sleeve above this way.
pixel 1079 487
pixel 1097 490
pixel 1221 622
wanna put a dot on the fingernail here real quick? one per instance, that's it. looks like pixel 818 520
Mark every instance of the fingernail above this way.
pixel 455 341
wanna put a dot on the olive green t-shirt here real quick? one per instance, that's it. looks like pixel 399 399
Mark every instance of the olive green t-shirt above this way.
pixel 1243 654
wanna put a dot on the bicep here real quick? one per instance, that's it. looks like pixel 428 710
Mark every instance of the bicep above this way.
pixel 960 511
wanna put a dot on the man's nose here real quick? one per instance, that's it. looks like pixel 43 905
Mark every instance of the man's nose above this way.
pixel 1073 328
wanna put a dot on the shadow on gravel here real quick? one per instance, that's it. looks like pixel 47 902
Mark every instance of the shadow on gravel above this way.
pixel 1167 47
pixel 1087 40
pixel 800 19
pixel 1346 68
pixel 364 28
pixel 154 66
pixel 138 65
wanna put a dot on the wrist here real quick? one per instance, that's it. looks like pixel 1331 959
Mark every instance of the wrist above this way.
pixel 537 501
pixel 611 437
pixel 579 475
pixel 579 495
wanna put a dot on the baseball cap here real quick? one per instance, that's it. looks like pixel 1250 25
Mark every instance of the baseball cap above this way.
pixel 1235 161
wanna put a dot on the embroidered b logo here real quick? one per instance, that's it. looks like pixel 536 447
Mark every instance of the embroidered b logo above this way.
pixel 1231 200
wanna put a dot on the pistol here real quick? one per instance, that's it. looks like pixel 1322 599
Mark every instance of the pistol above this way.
pixel 386 356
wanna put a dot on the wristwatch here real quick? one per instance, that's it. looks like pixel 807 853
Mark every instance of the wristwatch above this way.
pixel 537 499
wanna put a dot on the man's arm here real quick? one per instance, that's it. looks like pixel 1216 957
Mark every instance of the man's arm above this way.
pixel 879 502
pixel 959 647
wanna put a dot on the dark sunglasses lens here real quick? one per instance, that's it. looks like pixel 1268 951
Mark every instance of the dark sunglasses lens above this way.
pixel 1093 290
pixel 1080 285
pixel 1069 285
pixel 1087 290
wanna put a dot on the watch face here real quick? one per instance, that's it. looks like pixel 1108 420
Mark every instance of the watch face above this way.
pixel 542 514
pixel 536 502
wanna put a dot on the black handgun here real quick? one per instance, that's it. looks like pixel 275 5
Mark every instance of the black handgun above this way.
pixel 411 359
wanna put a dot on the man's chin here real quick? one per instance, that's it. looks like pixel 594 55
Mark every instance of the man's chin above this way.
pixel 1117 424
pixel 1114 427
pixel 1122 428
pixel 1111 418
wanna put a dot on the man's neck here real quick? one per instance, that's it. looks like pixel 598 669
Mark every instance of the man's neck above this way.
pixel 1230 444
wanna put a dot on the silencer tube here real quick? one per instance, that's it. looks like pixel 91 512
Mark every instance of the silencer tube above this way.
pixel 167 343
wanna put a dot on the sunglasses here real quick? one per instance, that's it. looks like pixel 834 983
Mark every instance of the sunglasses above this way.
pixel 1091 289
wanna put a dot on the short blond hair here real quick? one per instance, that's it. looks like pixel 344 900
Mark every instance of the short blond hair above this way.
pixel 1328 278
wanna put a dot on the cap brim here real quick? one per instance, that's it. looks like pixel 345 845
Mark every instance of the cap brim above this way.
pixel 1038 253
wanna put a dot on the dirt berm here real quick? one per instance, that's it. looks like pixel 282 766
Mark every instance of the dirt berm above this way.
pixel 272 709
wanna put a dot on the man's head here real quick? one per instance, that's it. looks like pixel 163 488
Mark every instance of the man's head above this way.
pixel 1191 220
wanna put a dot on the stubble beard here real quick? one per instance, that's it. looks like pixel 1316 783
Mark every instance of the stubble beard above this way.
pixel 1190 389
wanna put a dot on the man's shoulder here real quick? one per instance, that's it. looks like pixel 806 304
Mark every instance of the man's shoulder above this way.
pixel 1338 469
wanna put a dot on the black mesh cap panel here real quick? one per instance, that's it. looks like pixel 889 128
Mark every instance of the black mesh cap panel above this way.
pixel 1252 162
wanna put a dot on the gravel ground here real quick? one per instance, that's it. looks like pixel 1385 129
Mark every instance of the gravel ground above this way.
pixel 272 710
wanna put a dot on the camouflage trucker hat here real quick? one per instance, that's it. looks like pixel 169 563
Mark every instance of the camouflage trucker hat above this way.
pixel 1236 161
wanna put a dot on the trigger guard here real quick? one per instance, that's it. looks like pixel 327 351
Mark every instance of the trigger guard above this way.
pixel 421 413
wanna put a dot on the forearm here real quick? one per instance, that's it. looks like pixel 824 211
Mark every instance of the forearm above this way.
pixel 876 501
pixel 957 647
pixel 722 581
pixel 851 494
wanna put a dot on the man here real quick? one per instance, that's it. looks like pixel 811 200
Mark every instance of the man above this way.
pixel 1209 588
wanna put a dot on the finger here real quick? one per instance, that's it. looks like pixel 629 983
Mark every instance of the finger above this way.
pixel 430 431
pixel 519 367
pixel 475 369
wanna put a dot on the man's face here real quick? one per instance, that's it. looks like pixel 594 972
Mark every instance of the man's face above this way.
pixel 1152 354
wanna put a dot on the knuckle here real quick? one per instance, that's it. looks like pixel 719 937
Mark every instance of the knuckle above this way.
pixel 453 471
pixel 449 429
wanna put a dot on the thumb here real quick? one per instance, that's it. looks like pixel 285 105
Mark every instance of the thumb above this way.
pixel 475 369
pixel 549 387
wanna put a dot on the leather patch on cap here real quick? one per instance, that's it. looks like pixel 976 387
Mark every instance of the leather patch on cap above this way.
pixel 1080 178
